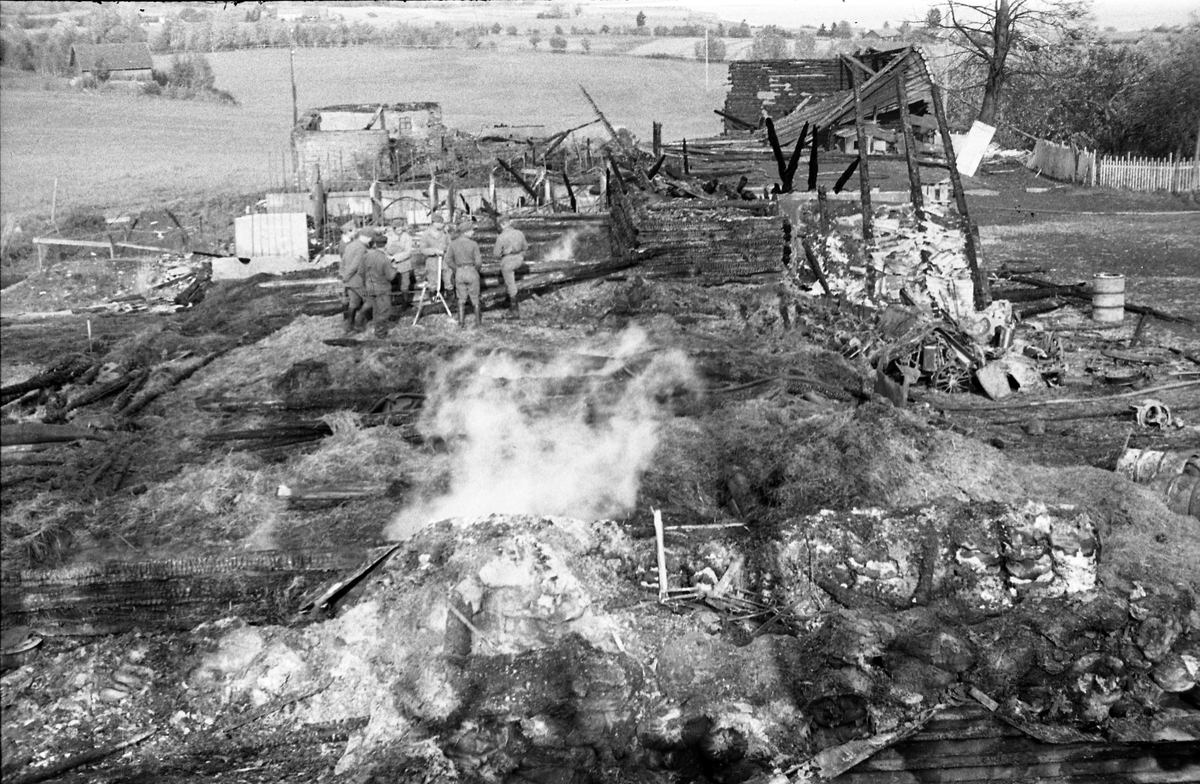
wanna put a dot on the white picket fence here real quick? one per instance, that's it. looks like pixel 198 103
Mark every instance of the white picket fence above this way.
pixel 1148 174
pixel 1086 167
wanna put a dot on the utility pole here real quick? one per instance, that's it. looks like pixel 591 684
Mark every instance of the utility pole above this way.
pixel 706 58
pixel 292 68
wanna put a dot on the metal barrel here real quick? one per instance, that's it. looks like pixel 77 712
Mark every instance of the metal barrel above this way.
pixel 1108 297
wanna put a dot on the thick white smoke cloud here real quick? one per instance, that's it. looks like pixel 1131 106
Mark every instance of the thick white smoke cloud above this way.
pixel 563 437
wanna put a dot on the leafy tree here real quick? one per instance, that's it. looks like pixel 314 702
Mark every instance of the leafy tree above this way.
pixel 805 45
pixel 933 19
pixel 845 30
pixel 535 38
pixel 558 30
pixel 511 30
pixel 998 39
pixel 641 19
pixel 769 44
pixel 1164 109
pixel 192 72
pixel 604 29
pixel 586 44
pixel 716 50
pixel 740 31
pixel 822 32
pixel 496 29
pixel 558 43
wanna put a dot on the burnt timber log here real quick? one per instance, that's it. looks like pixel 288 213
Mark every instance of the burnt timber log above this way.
pixel 178 593
pixel 64 372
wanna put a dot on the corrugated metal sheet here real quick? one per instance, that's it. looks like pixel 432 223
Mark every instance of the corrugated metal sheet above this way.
pixel 271 235
pixel 967 743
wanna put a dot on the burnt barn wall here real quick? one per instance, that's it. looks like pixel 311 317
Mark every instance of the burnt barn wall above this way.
pixel 778 86
pixel 341 156
pixel 685 241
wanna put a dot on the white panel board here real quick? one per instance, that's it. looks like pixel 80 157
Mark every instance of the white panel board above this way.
pixel 278 234
pixel 969 154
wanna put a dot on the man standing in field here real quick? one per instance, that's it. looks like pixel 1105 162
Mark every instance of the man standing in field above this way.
pixel 464 258
pixel 434 242
pixel 510 251
pixel 352 280
pixel 378 275
pixel 400 250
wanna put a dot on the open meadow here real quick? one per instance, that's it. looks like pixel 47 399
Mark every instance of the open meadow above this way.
pixel 128 151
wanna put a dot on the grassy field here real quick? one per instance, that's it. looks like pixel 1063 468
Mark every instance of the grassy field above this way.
pixel 122 151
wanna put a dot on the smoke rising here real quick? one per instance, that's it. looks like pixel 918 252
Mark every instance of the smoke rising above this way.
pixel 564 249
pixel 570 436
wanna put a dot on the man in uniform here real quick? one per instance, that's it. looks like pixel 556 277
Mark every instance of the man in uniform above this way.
pixel 434 241
pixel 378 275
pixel 400 250
pixel 352 280
pixel 464 258
pixel 510 252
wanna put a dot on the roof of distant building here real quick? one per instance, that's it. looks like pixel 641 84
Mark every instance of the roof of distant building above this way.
pixel 112 57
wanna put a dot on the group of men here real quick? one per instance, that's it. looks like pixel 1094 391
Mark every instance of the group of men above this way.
pixel 372 261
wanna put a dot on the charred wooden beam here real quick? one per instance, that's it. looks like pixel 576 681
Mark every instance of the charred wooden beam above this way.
pixel 910 148
pixel 978 279
pixel 864 178
pixel 176 593
pixel 570 191
pixel 789 174
pixel 777 151
pixel 846 175
pixel 811 256
pixel 736 120
pixel 812 161
pixel 520 180
pixel 650 175
pixel 62 373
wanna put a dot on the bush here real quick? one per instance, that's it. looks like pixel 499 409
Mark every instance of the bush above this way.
pixel 558 43
pixel 87 82
pixel 716 50
pixel 191 72
pixel 151 88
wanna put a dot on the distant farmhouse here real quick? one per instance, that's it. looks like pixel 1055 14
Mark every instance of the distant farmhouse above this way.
pixel 112 61
pixel 309 12
pixel 883 34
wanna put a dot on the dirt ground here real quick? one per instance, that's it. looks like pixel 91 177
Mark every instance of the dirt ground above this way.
pixel 730 409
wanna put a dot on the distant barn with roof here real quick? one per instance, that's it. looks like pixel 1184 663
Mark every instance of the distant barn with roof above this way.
pixel 129 61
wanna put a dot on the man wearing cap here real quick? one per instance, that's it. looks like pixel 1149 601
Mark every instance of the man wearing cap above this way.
pixel 434 241
pixel 464 258
pixel 510 251
pixel 400 250
pixel 352 281
pixel 378 275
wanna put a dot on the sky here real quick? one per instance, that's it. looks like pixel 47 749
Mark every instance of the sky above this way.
pixel 1121 14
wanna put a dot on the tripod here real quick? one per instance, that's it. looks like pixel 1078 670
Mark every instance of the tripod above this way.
pixel 435 297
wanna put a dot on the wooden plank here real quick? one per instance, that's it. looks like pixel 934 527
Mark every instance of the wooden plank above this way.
pixel 1142 769
pixel 917 755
